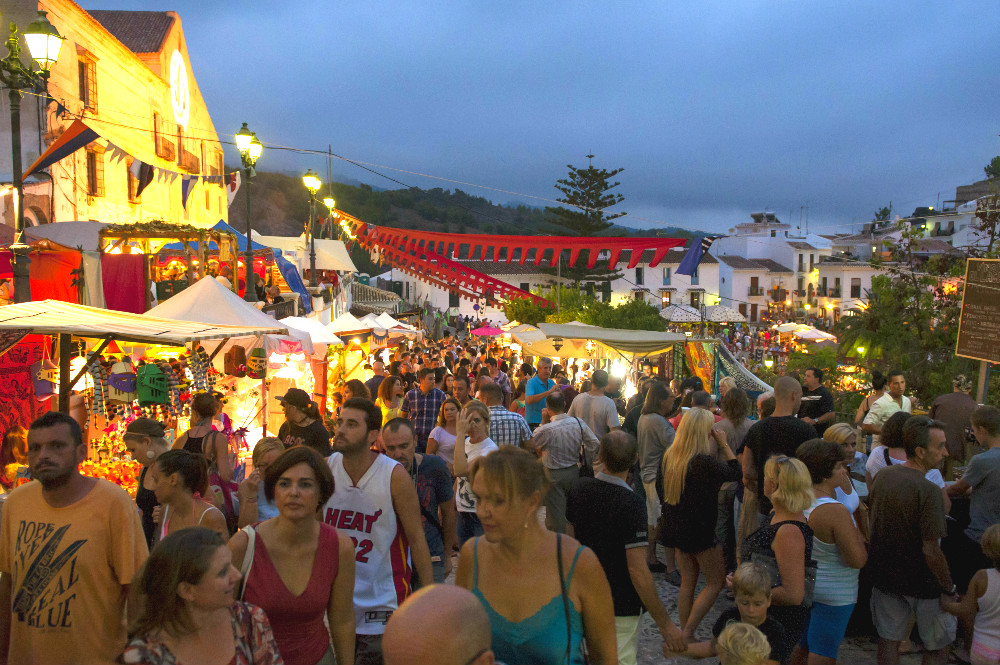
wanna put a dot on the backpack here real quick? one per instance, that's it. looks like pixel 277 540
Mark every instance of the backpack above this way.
pixel 236 361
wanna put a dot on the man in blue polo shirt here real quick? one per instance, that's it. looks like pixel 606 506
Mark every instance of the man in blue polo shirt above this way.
pixel 539 387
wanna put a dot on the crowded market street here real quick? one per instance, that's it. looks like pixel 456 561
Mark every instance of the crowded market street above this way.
pixel 327 339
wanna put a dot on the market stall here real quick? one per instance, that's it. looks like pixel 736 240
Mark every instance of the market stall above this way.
pixel 108 398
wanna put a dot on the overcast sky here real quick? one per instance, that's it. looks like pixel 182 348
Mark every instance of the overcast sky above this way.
pixel 714 109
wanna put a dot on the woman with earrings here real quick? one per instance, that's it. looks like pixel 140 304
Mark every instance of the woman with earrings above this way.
pixel 519 562
pixel 145 442
pixel 179 479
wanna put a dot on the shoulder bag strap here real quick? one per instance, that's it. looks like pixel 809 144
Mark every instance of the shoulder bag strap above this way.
pixel 247 557
pixel 565 600
pixel 583 450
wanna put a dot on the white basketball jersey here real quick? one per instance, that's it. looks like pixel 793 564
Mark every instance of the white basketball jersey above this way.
pixel 381 553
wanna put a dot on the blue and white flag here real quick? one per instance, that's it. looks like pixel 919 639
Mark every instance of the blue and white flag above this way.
pixel 693 256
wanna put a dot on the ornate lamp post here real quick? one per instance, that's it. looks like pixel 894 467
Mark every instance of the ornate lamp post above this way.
pixel 44 42
pixel 250 149
pixel 312 183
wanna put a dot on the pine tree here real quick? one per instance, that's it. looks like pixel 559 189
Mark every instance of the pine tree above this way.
pixel 588 193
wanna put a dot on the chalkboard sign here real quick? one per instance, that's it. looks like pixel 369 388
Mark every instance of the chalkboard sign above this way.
pixel 979 326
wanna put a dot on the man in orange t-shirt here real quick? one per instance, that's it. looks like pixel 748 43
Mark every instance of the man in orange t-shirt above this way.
pixel 70 546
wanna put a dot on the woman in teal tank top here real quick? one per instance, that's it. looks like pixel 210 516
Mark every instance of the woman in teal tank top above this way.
pixel 546 595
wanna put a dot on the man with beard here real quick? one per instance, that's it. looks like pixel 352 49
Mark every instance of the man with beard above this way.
pixel 70 547
pixel 375 504
pixel 432 479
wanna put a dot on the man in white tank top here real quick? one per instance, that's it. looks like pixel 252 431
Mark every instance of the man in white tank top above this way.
pixel 375 504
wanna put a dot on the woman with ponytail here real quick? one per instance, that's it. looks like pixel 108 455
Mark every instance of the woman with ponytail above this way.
pixel 144 440
pixel 179 480
pixel 303 424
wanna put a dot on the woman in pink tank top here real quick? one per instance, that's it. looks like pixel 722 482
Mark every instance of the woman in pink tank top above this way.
pixel 299 570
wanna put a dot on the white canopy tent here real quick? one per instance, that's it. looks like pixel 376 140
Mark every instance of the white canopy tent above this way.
pixel 318 333
pixel 330 254
pixel 208 300
pixel 348 323
pixel 54 317
pixel 629 343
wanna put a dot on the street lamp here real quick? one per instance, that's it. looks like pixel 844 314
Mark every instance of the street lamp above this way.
pixel 44 43
pixel 312 183
pixel 330 205
pixel 250 149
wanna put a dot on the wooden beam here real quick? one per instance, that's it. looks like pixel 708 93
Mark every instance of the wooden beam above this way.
pixel 64 349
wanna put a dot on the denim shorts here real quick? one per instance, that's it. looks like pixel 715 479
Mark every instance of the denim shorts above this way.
pixel 825 629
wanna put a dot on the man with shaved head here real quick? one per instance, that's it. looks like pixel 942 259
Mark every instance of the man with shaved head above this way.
pixel 779 434
pixel 423 630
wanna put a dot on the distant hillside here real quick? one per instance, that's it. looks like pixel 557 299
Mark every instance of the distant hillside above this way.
pixel 280 206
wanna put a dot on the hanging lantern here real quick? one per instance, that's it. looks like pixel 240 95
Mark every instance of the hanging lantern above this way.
pixel 257 363
pixel 45 376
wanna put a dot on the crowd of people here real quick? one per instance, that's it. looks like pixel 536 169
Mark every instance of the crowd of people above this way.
pixel 552 499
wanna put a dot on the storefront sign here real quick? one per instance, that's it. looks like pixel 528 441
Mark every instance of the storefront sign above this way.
pixel 979 325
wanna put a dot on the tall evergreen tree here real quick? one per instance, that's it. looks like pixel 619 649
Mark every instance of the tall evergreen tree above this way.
pixel 588 193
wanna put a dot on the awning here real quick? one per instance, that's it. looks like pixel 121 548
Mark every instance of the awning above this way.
pixel 54 317
pixel 330 254
pixel 635 342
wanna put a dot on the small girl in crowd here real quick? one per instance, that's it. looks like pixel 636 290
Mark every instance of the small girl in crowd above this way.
pixel 981 605
pixel 742 644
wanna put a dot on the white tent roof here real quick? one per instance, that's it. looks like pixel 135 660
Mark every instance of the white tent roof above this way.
pixel 347 322
pixel 635 342
pixel 208 299
pixel 373 321
pixel 330 254
pixel 387 321
pixel 319 333
pixel 53 317
pixel 82 235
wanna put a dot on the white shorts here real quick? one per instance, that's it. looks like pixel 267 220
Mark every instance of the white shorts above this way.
pixel 653 506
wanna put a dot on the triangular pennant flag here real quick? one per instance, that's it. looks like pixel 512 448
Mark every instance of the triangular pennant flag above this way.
pixel 75 137
pixel 142 172
pixel 232 183
pixel 187 184
pixel 173 176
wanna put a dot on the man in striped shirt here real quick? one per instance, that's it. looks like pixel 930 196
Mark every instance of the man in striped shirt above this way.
pixel 558 441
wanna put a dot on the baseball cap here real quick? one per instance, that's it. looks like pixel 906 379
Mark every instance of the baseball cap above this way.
pixel 296 397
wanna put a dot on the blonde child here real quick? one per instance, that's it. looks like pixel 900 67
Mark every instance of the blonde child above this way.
pixel 742 644
pixel 752 592
pixel 981 604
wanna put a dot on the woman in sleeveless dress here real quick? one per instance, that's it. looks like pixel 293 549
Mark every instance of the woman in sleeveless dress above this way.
pixel 518 564
pixel 787 541
pixel 441 440
pixel 144 441
pixel 390 397
pixel 186 613
pixel 299 570
pixel 839 550
pixel 205 440
pixel 179 478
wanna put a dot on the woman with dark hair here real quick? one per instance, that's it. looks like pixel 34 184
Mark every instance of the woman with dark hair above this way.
pixel 186 612
pixel 299 570
pixel 735 410
pixel 517 402
pixel 355 388
pixel 13 451
pixel 655 434
pixel 878 389
pixel 144 441
pixel 203 439
pixel 179 479
pixel 303 424
pixel 390 397
pixel 441 440
pixel 839 550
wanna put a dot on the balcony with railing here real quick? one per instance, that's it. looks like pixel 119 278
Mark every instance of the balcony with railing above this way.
pixel 833 293
pixel 755 291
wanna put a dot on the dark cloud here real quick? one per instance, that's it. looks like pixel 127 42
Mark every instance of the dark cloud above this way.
pixel 715 109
